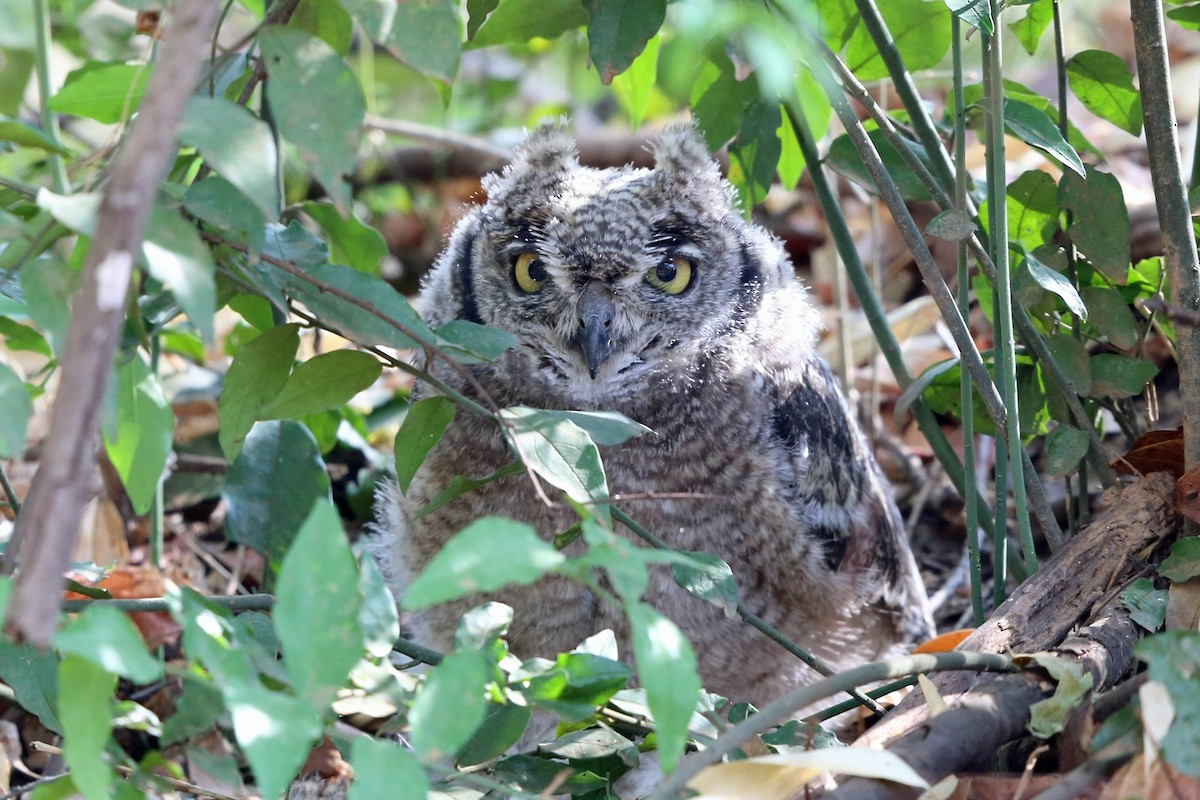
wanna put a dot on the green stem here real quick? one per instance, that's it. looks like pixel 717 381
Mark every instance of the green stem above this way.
pixel 1006 352
pixel 873 310
pixel 966 389
pixel 58 170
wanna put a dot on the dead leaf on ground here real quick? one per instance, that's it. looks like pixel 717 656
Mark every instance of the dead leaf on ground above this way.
pixel 1157 781
pixel 780 776
pixel 1187 495
pixel 1183 606
pixel 134 583
pixel 1154 451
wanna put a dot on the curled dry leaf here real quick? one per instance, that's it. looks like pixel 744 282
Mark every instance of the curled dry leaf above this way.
pixel 132 583
pixel 1187 495
pixel 1154 451
pixel 780 776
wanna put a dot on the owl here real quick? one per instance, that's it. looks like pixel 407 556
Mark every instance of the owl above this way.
pixel 644 291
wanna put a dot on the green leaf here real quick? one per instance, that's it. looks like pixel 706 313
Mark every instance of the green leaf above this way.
pixel 755 152
pixel 1048 717
pixel 1065 448
pixel 1104 85
pixel 218 203
pixel 517 21
pixel 920 30
pixel 196 710
pixel 666 667
pixel 107 93
pixel 176 257
pixel 574 685
pixel 141 443
pixel 1034 127
pixel 324 382
pixel 85 697
pixel 237 145
pixel 618 31
pixel 326 20
pixel 257 374
pixel 272 485
pixel 422 428
pixel 1184 561
pixel 375 16
pixel 708 578
pixel 718 101
pixel 18 408
pixel 1110 316
pixel 472 343
pixel 976 13
pixel 361 307
pixel 843 159
pixel 76 211
pixel 1072 358
pixel 502 727
pixel 32 674
pixel 351 242
pixel 378 618
pixel 107 638
pixel 25 135
pixel 457 683
pixel 477 12
pixel 383 769
pixel 484 556
pixel 1031 202
pixel 19 31
pixel 1187 17
pixel 561 453
pixel 275 732
pixel 634 86
pixel 1055 282
pixel 427 35
pixel 1115 375
pixel 1029 28
pixel 304 73
pixel 1099 220
pixel 317 607
pixel 607 428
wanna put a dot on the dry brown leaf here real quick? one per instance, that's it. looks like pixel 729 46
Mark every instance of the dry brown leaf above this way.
pixel 1183 605
pixel 133 583
pixel 1187 495
pixel 779 776
pixel 1157 781
pixel 102 536
pixel 943 643
pixel 1154 451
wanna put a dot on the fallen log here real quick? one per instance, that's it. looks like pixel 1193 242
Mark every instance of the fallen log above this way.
pixel 1078 586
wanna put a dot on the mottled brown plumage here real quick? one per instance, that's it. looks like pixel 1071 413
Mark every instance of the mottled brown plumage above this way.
pixel 583 266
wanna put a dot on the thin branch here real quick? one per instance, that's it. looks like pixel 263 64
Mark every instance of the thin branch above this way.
pixel 128 772
pixel 793 701
pixel 48 527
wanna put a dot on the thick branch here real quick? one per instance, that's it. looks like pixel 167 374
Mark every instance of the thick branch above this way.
pixel 48 527
pixel 1170 196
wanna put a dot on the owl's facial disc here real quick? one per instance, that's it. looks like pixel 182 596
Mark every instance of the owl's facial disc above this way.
pixel 596 313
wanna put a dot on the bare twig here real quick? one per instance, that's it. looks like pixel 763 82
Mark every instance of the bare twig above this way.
pixel 126 771
pixel 55 503
pixel 1177 314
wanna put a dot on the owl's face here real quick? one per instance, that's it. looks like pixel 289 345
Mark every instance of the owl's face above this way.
pixel 614 280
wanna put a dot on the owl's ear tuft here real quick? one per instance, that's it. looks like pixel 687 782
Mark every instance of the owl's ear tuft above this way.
pixel 548 148
pixel 547 154
pixel 680 154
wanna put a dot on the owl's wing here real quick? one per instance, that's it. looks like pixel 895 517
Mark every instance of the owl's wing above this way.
pixel 839 494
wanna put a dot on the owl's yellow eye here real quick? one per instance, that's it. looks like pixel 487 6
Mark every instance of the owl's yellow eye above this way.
pixel 671 276
pixel 530 273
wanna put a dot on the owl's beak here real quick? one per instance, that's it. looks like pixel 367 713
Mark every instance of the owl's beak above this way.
pixel 596 313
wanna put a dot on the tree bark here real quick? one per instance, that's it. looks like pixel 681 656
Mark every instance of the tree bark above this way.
pixel 48 526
